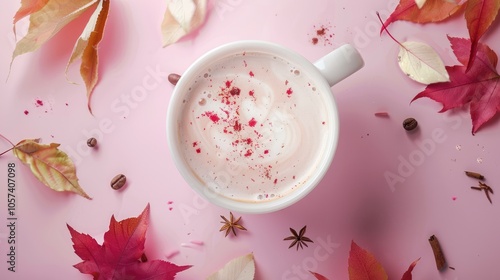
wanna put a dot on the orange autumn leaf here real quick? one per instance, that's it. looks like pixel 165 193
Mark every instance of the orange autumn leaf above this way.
pixel 363 265
pixel 50 166
pixel 86 48
pixel 28 7
pixel 431 11
pixel 479 15
pixel 48 17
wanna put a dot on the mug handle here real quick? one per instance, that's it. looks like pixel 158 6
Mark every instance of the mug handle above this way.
pixel 340 63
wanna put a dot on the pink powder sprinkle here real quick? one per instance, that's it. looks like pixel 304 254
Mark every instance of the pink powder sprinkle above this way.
pixel 454 198
pixel 251 74
pixel 26 112
pixel 198 242
pixel 248 153
pixel 251 93
pixel 289 91
pixel 252 122
pixel 266 152
pixel 172 254
pixel 275 181
pixel 170 202
pixel 228 84
pixel 39 103
pixel 198 150
pixel 170 208
pixel 382 114
pixel 213 117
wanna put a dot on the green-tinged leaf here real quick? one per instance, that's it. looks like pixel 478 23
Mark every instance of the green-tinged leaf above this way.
pixel 50 166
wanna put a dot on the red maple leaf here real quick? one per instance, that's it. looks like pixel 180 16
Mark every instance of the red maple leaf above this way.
pixel 118 256
pixel 479 15
pixel 479 85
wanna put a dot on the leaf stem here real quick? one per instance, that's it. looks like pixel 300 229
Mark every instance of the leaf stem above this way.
pixel 6 151
pixel 388 33
pixel 6 139
pixel 13 146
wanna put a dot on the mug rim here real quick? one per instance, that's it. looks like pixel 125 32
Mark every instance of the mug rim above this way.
pixel 174 111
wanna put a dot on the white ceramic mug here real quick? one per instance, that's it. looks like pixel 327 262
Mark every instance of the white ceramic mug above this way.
pixel 253 126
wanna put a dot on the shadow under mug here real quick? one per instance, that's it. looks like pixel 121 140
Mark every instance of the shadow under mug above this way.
pixel 324 73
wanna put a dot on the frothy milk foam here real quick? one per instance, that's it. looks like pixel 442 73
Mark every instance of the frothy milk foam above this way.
pixel 254 127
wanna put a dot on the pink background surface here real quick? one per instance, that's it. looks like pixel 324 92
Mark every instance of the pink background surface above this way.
pixel 353 202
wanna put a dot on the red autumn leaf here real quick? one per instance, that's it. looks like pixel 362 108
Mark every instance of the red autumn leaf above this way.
pixel 119 255
pixel 479 85
pixel 432 11
pixel 407 275
pixel 318 276
pixel 479 15
pixel 363 265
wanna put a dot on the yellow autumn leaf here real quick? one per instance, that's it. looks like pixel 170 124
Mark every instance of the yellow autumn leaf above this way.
pixel 86 48
pixel 50 165
pixel 181 18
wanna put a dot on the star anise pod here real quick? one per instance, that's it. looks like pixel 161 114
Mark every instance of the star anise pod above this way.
pixel 231 224
pixel 298 239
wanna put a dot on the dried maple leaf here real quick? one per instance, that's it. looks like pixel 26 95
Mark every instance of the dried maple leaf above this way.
pixel 363 265
pixel 86 48
pixel 48 17
pixel 479 15
pixel 50 166
pixel 119 257
pixel 479 86
pixel 431 11
pixel 241 268
pixel 181 18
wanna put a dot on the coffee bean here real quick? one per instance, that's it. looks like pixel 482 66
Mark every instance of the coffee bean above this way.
pixel 173 78
pixel 92 142
pixel 410 124
pixel 118 181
